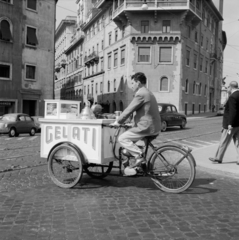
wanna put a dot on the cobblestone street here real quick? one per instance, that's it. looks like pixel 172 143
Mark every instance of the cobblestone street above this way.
pixel 32 207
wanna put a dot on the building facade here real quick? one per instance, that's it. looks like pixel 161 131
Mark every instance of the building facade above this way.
pixel 27 55
pixel 177 44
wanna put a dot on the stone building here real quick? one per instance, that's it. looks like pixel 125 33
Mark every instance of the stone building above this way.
pixel 27 55
pixel 178 44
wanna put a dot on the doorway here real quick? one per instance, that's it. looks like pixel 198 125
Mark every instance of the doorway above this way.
pixel 29 107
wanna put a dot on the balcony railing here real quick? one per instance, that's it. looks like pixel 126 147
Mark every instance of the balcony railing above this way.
pixel 99 3
pixel 93 57
pixel 168 5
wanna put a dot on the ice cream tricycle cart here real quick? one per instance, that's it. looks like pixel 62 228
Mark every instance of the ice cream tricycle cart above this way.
pixel 74 146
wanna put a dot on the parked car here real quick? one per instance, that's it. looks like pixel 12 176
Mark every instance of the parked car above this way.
pixel 170 116
pixel 15 123
pixel 36 120
pixel 220 111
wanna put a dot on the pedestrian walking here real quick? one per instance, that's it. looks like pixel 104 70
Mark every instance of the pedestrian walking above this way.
pixel 230 124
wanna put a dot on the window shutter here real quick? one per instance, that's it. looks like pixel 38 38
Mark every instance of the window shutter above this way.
pixel 144 53
pixel 31 36
pixel 5 30
pixel 164 84
pixel 32 4
pixel 165 54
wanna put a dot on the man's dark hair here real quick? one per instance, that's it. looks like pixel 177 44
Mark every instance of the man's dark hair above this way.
pixel 139 76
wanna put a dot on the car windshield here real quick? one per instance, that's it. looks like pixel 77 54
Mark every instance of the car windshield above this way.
pixel 8 118
pixel 160 108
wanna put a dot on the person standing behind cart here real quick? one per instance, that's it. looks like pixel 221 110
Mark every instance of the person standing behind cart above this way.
pixel 147 120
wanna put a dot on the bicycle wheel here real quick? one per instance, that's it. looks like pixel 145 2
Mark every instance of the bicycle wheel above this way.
pixel 65 166
pixel 98 171
pixel 169 173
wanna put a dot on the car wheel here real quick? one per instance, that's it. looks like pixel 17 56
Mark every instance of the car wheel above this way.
pixel 32 132
pixel 183 125
pixel 12 132
pixel 163 126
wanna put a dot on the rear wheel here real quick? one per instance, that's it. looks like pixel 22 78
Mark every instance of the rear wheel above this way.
pixel 169 173
pixel 98 171
pixel 65 166
pixel 32 132
pixel 163 126
pixel 12 132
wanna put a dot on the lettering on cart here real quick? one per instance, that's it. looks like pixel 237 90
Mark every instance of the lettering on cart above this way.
pixel 78 133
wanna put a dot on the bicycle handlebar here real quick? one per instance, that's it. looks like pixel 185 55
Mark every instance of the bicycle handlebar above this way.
pixel 117 126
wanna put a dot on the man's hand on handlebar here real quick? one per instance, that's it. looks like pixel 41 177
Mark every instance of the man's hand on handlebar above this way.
pixel 114 124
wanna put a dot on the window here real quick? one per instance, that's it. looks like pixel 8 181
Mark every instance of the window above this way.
pixel 108 86
pixel 186 86
pixel 115 85
pixel 122 60
pixel 201 40
pixel 144 26
pixel 188 57
pixel 5 31
pixel 102 64
pixel 102 44
pixel 5 71
pixel 123 31
pixel 110 39
pixel 168 109
pixel 88 89
pixel 31 38
pixel 205 90
pixel 30 72
pixel 195 61
pixel 115 59
pixel 144 54
pixel 196 37
pixel 96 88
pixel 165 54
pixel 32 4
pixel 166 26
pixel 116 35
pixel 121 84
pixel 92 88
pixel 194 87
pixel 174 109
pixel 201 62
pixel 206 66
pixel 163 85
pixel 101 87
pixel 109 61
pixel 200 89
pixel 207 44
pixel 189 31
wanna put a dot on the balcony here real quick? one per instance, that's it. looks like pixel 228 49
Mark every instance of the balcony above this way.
pixel 91 59
pixel 100 3
pixel 157 5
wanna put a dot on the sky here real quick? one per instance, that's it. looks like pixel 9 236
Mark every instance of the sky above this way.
pixel 230 26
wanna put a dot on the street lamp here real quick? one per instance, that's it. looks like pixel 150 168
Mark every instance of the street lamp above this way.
pixel 144 6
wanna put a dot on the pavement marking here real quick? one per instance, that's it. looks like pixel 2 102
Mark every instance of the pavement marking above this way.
pixel 32 138
pixel 20 138
pixel 198 144
pixel 210 143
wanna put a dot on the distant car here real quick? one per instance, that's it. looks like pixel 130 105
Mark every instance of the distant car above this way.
pixel 170 116
pixel 15 123
pixel 36 120
pixel 220 111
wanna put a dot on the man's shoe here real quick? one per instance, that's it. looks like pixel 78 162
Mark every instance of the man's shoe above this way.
pixel 215 160
pixel 138 162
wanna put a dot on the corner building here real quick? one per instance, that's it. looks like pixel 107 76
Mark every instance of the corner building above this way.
pixel 27 55
pixel 178 44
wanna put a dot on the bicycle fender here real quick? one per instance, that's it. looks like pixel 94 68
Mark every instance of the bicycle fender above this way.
pixel 72 145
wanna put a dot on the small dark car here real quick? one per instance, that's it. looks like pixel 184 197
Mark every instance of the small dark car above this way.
pixel 170 116
pixel 38 124
pixel 15 123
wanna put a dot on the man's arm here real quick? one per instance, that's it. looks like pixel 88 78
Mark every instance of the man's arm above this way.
pixel 232 111
pixel 136 103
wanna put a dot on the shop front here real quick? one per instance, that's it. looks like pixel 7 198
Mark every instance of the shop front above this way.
pixel 8 106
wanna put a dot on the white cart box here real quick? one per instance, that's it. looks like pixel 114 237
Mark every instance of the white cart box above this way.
pixel 61 109
pixel 94 140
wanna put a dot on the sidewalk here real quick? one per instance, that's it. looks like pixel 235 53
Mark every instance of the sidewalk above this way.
pixel 202 115
pixel 229 161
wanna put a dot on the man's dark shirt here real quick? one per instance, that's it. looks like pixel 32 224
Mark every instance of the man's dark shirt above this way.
pixel 231 112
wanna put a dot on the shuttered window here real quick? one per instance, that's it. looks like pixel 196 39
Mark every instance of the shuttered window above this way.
pixel 144 54
pixel 32 4
pixel 163 84
pixel 166 26
pixel 165 54
pixel 5 32
pixel 122 56
pixel 31 36
pixel 30 72
pixel 144 26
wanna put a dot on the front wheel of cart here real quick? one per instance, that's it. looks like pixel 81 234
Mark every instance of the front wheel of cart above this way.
pixel 65 166
pixel 98 171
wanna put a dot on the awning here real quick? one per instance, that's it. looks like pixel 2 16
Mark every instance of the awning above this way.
pixel 31 36
pixel 5 30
